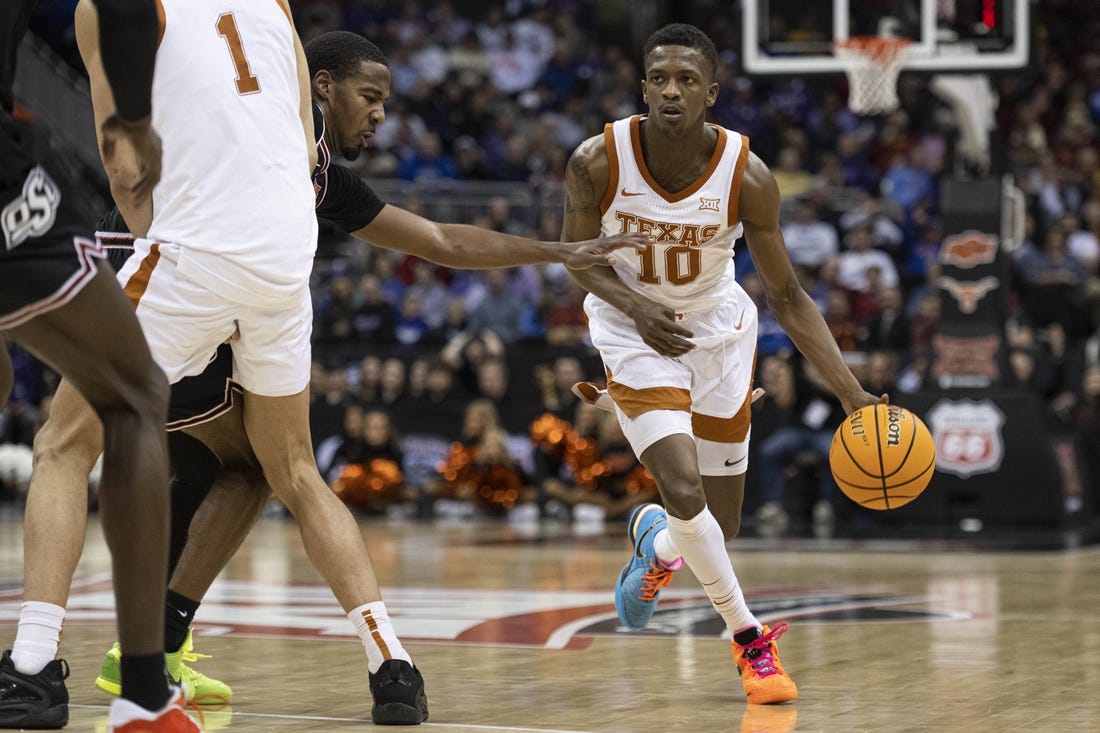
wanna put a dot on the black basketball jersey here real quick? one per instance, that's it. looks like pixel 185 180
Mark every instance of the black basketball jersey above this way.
pixel 14 158
pixel 35 195
pixel 342 197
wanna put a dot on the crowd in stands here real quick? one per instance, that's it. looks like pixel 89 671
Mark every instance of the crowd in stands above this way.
pixel 437 389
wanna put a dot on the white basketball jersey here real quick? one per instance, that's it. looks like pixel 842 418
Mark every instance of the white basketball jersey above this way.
pixel 690 267
pixel 235 193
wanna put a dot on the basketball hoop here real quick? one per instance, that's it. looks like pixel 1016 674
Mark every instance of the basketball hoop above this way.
pixel 872 65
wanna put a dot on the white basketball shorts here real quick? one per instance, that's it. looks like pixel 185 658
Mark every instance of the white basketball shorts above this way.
pixel 706 393
pixel 185 323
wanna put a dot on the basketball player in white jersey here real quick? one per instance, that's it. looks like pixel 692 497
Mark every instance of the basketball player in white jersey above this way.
pixel 226 249
pixel 678 335
pixel 344 198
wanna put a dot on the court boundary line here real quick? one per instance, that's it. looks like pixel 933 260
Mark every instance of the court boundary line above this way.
pixel 330 719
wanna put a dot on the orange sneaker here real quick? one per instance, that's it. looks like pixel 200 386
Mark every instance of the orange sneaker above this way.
pixel 761 671
pixel 129 717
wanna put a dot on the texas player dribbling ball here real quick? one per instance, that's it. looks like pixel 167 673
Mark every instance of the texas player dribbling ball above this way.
pixel 882 456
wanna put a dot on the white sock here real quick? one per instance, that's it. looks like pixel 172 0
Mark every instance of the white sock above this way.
pixel 373 625
pixel 666 549
pixel 38 637
pixel 703 546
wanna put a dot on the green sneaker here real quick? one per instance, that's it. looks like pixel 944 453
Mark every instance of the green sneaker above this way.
pixel 197 687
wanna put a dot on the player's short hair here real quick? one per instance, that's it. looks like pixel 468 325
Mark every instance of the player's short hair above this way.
pixel 340 53
pixel 683 34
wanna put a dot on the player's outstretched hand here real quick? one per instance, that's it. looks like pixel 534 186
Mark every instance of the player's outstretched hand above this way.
pixel 592 252
pixel 144 144
pixel 860 399
pixel 658 328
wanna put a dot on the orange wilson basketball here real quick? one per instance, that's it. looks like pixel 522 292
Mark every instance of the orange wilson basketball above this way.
pixel 882 456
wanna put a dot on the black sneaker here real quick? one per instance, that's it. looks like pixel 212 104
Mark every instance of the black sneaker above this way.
pixel 33 700
pixel 398 692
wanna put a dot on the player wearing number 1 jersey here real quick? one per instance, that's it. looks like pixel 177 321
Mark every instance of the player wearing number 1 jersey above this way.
pixel 678 335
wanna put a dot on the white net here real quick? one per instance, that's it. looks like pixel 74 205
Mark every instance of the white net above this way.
pixel 872 65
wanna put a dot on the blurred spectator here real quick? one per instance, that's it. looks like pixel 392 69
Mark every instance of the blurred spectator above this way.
pixel 391 385
pixel 880 376
pixel 479 470
pixel 514 67
pixel 566 324
pixel 326 410
pixel 373 479
pixel 411 326
pixel 923 325
pixel 889 327
pixel 347 446
pixel 803 437
pixel 1054 285
pixel 790 174
pixel 430 291
pixel 500 311
pixel 373 319
pixel 336 319
pixel 1082 243
pixel 809 240
pixel 467 351
pixel 1086 422
pixel 838 317
pixel 555 384
pixel 428 163
pixel 886 234
pixel 588 465
pixel 860 257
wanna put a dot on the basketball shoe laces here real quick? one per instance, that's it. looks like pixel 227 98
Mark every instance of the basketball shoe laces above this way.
pixel 656 578
pixel 759 652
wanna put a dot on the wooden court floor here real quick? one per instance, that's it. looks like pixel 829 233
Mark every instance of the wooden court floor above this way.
pixel 515 631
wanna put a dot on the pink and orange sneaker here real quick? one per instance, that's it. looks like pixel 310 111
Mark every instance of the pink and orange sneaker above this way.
pixel 758 663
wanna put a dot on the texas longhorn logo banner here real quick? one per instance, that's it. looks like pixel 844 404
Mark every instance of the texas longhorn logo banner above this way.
pixel 968 249
pixel 968 436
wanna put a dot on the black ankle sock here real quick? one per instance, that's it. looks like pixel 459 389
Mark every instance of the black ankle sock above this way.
pixel 144 680
pixel 179 612
pixel 744 637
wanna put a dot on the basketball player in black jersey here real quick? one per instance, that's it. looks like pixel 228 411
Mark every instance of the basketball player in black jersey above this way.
pixel 350 84
pixel 58 299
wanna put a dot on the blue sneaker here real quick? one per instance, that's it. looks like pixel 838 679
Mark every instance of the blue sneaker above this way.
pixel 640 583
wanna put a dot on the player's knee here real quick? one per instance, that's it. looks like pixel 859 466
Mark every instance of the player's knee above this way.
pixel 681 490
pixel 140 396
pixel 296 483
pixel 78 443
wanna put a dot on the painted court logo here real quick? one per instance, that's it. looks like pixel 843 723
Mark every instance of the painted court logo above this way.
pixel 547 619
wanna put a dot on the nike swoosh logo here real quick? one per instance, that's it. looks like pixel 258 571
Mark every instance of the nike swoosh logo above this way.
pixel 734 463
pixel 624 192
pixel 739 321
pixel 638 541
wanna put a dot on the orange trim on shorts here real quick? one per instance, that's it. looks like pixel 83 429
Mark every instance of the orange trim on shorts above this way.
pixel 139 281
pixel 634 402
pixel 727 429
pixel 734 207
pixel 724 429
pixel 372 625
pixel 636 144
pixel 612 167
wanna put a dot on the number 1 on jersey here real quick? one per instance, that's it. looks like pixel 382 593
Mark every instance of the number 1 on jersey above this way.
pixel 247 83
